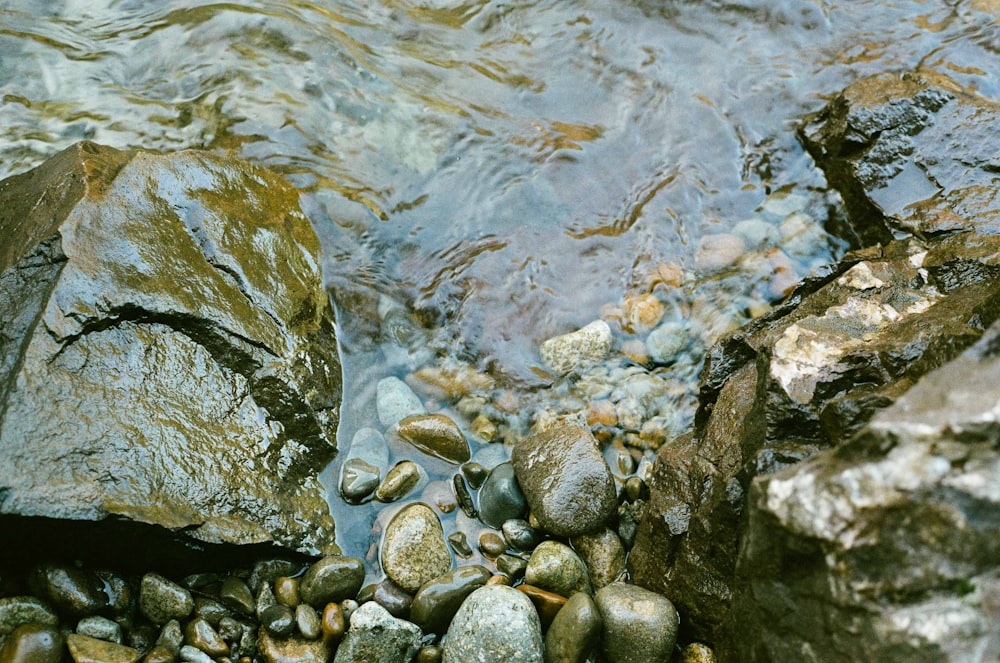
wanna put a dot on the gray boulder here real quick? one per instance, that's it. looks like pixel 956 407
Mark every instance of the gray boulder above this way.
pixel 888 547
pixel 167 350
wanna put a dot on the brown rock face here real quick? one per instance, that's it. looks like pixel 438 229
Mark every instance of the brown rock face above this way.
pixel 566 480
pixel 811 375
pixel 167 351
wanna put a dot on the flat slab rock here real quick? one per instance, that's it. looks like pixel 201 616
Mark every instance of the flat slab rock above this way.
pixel 167 351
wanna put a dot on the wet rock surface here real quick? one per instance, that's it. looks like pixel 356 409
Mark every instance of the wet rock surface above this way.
pixel 375 635
pixel 495 624
pixel 911 152
pixel 821 379
pixel 167 343
pixel 637 625
pixel 565 479
pixel 893 535
pixel 414 550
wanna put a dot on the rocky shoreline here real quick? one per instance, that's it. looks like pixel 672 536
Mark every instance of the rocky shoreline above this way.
pixel 831 500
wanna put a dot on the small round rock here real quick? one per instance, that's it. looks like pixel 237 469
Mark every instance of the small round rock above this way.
pixel 437 601
pixel 575 631
pixel 333 578
pixel 161 600
pixel 375 635
pixel 394 400
pixel 576 349
pixel 70 590
pixel 101 628
pixel 639 625
pixel 18 610
pixel 565 479
pixel 496 624
pixel 278 620
pixel 33 643
pixel 501 498
pixel 717 252
pixel 555 567
pixel 437 435
pixel 399 481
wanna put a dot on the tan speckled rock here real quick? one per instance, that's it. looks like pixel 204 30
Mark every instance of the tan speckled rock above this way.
pixel 577 349
pixel 414 550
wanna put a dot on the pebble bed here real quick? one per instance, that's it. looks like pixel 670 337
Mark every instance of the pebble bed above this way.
pixel 502 519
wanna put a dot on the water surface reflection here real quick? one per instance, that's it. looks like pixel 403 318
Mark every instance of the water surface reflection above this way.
pixel 499 171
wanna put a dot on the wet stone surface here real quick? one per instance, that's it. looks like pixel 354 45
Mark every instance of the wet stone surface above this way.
pixel 213 317
pixel 565 479
pixel 637 625
pixel 414 550
pixel 495 623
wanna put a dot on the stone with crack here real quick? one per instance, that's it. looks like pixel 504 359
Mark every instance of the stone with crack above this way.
pixel 167 350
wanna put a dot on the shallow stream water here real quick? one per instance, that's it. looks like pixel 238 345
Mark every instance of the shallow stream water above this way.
pixel 487 174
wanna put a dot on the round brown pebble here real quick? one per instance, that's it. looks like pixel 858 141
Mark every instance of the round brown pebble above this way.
pixel 635 351
pixel 157 654
pixel 431 654
pixel 286 590
pixel 547 604
pixel 500 579
pixel 492 545
pixel 334 623
pixel 641 312
pixel 33 643
pixel 601 413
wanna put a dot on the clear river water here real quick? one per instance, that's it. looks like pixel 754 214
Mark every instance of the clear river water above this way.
pixel 498 171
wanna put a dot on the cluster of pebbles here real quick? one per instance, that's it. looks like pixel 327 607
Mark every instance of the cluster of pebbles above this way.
pixel 499 521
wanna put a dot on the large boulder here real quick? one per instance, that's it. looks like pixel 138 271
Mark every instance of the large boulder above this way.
pixel 911 153
pixel 848 344
pixel 888 547
pixel 167 350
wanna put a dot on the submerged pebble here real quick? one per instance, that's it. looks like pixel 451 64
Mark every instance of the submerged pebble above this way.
pixel 358 479
pixel 394 401
pixel 437 435
pixel 399 481
pixel 577 349
pixel 718 252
